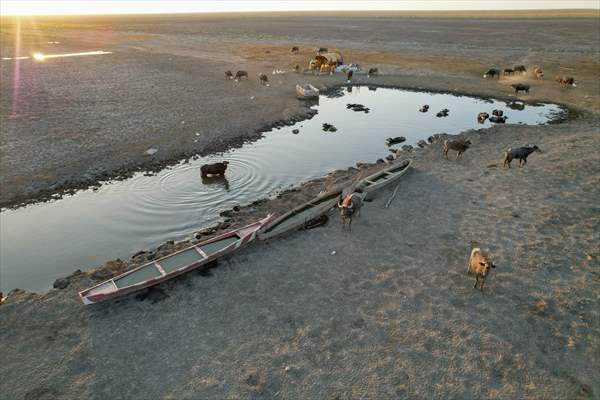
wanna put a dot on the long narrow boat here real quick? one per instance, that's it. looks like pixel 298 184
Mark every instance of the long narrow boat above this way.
pixel 300 215
pixel 384 177
pixel 175 264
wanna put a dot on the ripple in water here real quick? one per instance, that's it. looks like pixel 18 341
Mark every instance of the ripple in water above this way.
pixel 120 218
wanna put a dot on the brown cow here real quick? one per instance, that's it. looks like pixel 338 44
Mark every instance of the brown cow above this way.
pixel 480 264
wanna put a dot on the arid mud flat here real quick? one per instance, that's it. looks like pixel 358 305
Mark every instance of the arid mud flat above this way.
pixel 392 314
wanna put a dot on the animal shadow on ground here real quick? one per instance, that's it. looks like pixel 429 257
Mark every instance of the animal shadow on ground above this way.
pixel 205 270
pixel 153 294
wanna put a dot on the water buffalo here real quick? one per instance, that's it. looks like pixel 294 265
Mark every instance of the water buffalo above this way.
pixel 491 73
pixel 508 71
pixel 520 68
pixel 456 144
pixel 443 113
pixel 520 153
pixel 241 74
pixel 498 119
pixel 498 113
pixel 214 169
pixel 520 87
pixel 395 140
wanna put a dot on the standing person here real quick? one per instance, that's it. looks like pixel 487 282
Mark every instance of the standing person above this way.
pixel 350 73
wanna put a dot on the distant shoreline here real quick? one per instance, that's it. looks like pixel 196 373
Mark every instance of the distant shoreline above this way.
pixel 533 13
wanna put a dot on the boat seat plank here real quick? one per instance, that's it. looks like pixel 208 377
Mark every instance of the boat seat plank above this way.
pixel 179 260
pixel 143 274
pixel 212 248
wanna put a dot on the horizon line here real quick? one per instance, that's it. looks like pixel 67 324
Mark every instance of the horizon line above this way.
pixel 362 11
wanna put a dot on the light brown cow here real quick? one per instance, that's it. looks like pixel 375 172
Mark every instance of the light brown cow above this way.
pixel 480 264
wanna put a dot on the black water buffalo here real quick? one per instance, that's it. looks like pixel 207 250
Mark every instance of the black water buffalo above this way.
pixel 491 73
pixel 214 169
pixel 520 153
pixel 520 87
pixel 520 68
pixel 241 74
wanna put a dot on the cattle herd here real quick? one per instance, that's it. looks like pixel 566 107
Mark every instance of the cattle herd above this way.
pixel 521 70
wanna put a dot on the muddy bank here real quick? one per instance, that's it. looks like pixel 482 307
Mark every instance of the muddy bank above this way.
pixel 393 306
pixel 69 123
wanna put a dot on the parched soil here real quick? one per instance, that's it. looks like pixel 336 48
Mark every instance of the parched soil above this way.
pixel 69 122
pixel 392 313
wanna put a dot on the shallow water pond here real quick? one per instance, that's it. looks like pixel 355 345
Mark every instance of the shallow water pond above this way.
pixel 43 242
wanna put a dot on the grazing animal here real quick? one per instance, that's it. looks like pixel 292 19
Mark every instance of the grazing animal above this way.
pixel 372 71
pixel 228 74
pixel 520 87
pixel 520 153
pixel 480 264
pixel 350 206
pixel 262 78
pixel 498 119
pixel 492 72
pixel 482 116
pixel 539 74
pixel 566 80
pixel 424 108
pixel 322 50
pixel 498 113
pixel 508 71
pixel 456 144
pixel 214 169
pixel 520 68
pixel 241 74
pixel 295 49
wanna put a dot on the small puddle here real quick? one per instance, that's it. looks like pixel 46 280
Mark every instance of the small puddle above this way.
pixel 45 241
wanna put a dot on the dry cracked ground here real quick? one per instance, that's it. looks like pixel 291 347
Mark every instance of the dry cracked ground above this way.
pixel 392 314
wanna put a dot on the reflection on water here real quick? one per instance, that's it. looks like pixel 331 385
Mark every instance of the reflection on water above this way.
pixel 42 242
pixel 43 57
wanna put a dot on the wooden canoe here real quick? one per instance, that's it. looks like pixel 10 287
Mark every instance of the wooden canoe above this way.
pixel 300 215
pixel 175 264
pixel 307 91
pixel 384 177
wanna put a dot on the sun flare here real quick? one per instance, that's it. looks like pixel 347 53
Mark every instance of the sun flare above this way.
pixel 39 57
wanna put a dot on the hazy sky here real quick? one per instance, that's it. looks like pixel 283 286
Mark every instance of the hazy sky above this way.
pixel 26 7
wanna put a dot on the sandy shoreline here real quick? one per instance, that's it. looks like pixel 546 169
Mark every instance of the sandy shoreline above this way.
pixel 392 314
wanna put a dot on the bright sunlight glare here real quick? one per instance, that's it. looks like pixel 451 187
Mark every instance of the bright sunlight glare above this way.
pixel 95 7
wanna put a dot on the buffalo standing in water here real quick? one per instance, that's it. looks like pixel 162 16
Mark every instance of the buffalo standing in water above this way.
pixel 214 169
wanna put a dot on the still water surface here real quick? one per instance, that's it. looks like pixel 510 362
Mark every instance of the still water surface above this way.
pixel 42 242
